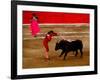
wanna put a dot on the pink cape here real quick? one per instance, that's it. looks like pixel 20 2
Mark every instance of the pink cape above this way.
pixel 34 27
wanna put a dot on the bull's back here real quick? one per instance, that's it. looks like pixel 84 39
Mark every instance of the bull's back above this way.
pixel 77 44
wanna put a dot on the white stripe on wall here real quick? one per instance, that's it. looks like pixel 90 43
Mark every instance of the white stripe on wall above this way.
pixel 60 33
pixel 78 24
pixel 55 37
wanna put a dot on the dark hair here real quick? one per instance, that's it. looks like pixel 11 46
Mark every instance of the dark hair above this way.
pixel 50 32
pixel 35 16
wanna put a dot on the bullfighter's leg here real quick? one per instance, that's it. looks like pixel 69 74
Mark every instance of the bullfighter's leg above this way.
pixel 76 52
pixel 61 53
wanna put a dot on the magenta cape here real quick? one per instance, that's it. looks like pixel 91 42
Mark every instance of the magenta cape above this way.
pixel 34 27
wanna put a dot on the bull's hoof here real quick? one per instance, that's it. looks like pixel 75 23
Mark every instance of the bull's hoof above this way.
pixel 75 55
pixel 64 59
pixel 59 56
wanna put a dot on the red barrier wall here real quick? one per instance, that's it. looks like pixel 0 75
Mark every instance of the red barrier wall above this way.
pixel 56 17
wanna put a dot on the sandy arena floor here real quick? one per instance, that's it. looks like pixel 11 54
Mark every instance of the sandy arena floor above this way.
pixel 33 51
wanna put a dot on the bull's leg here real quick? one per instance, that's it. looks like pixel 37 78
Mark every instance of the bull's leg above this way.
pixel 76 52
pixel 81 52
pixel 65 56
pixel 73 52
pixel 61 53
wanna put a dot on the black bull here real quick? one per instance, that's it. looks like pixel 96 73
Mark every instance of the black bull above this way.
pixel 67 46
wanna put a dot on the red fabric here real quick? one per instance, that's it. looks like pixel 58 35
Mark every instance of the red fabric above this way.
pixel 34 27
pixel 47 39
pixel 56 17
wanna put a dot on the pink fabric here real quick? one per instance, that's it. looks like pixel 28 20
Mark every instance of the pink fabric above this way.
pixel 34 27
